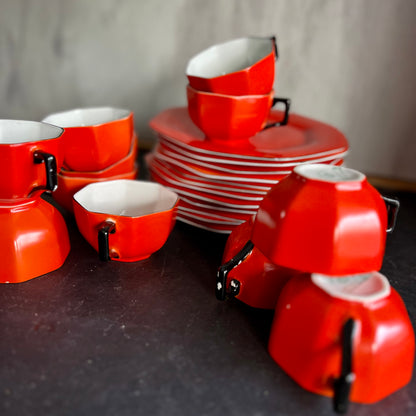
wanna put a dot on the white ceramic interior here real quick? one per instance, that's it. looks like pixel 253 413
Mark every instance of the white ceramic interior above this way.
pixel 367 287
pixel 229 57
pixel 328 173
pixel 22 131
pixel 126 197
pixel 81 117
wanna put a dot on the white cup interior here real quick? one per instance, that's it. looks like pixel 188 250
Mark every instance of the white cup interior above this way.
pixel 366 287
pixel 229 57
pixel 124 197
pixel 329 173
pixel 82 117
pixel 22 131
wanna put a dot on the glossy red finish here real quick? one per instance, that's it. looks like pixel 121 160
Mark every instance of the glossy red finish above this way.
pixel 34 239
pixel 305 340
pixel 135 237
pixel 257 78
pixel 228 117
pixel 261 281
pixel 94 147
pixel 69 185
pixel 335 228
pixel 120 167
pixel 19 173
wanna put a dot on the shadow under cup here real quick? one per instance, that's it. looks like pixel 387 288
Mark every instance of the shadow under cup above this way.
pixel 31 154
pixel 125 220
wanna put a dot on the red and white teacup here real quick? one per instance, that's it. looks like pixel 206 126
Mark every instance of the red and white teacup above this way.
pixel 31 154
pixel 125 220
pixel 94 138
pixel 326 219
pixel 349 338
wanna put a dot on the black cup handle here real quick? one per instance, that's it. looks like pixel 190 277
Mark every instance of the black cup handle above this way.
pixel 50 167
pixel 392 206
pixel 276 53
pixel 106 228
pixel 343 384
pixel 286 102
pixel 234 289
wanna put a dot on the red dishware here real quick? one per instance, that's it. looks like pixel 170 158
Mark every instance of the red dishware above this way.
pixel 69 185
pixel 125 220
pixel 324 219
pixel 34 239
pixel 349 338
pixel 31 153
pixel 247 274
pixel 94 138
pixel 230 117
pixel 238 67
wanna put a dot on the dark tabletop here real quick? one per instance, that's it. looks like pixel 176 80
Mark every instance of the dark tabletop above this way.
pixel 150 338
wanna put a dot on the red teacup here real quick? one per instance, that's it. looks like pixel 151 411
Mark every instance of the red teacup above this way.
pixel 31 153
pixel 244 66
pixel 34 239
pixel 230 117
pixel 325 219
pixel 125 220
pixel 349 337
pixel 94 138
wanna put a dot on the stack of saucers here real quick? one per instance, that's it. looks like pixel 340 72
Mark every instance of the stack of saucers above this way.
pixel 221 185
pixel 99 145
pixel 228 147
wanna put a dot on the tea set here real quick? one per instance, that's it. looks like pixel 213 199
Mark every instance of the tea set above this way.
pixel 306 238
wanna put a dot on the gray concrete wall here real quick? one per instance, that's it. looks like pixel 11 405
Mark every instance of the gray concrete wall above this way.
pixel 349 63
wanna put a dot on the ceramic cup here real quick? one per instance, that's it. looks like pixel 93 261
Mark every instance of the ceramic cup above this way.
pixel 244 66
pixel 125 220
pixel 34 239
pixel 247 274
pixel 230 118
pixel 349 338
pixel 326 219
pixel 94 138
pixel 31 153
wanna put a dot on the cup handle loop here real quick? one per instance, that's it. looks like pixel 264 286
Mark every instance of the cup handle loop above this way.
pixel 342 385
pixel 222 273
pixel 286 102
pixel 392 206
pixel 276 53
pixel 106 228
pixel 50 167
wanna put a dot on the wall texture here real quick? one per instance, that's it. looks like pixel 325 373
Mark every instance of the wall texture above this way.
pixel 349 63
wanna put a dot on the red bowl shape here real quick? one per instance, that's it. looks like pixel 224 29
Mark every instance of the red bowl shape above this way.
pixel 324 219
pixel 125 220
pixel 228 117
pixel 31 154
pixel 69 185
pixel 94 138
pixel 120 167
pixel 307 335
pixel 244 66
pixel 34 239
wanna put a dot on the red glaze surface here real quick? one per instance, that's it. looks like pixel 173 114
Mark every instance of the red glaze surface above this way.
pixel 69 185
pixel 261 282
pixel 93 148
pixel 302 138
pixel 228 117
pixel 20 175
pixel 255 79
pixel 120 167
pixel 34 240
pixel 323 227
pixel 305 341
pixel 135 238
